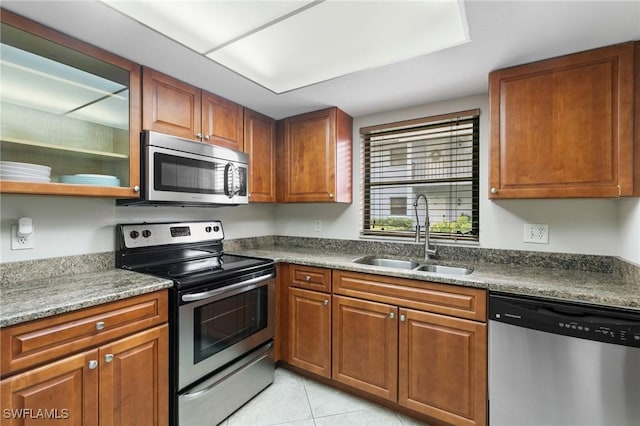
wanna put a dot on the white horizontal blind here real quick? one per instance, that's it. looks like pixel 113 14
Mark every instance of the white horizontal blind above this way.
pixel 434 156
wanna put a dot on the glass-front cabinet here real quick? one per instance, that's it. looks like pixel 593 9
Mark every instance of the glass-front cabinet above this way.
pixel 69 115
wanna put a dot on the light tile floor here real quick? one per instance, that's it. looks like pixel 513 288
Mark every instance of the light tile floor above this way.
pixel 293 400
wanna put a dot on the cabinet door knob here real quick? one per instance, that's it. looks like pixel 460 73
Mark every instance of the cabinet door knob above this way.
pixel 199 136
pixel 402 318
pixel 392 315
pixel 307 278
pixel 331 195
pixel 100 325
pixel 108 358
pixel 494 190
pixel 136 188
pixel 325 302
pixel 93 364
pixel 206 137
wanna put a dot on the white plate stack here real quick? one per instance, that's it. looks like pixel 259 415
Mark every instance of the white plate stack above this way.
pixel 26 172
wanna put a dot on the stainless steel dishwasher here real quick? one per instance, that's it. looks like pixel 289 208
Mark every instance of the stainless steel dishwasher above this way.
pixel 554 363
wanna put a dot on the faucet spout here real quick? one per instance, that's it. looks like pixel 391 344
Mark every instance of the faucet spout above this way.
pixel 428 251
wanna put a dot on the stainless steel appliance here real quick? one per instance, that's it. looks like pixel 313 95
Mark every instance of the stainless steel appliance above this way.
pixel 222 313
pixel 555 363
pixel 177 171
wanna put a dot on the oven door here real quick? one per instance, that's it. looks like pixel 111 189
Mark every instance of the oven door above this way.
pixel 218 326
pixel 184 177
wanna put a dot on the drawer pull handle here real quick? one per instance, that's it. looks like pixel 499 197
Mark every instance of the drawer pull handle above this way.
pixel 392 315
pixel 93 364
pixel 307 278
pixel 108 358
pixel 325 302
pixel 100 325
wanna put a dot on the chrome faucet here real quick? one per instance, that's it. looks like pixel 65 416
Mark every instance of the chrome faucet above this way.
pixel 427 250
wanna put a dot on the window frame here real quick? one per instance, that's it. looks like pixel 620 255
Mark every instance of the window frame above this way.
pixel 399 128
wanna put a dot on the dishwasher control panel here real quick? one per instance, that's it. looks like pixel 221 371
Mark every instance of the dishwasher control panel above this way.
pixel 591 322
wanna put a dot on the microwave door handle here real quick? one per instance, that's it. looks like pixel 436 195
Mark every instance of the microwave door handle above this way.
pixel 230 189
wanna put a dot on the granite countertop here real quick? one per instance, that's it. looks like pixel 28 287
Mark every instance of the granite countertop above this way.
pixel 607 289
pixel 22 301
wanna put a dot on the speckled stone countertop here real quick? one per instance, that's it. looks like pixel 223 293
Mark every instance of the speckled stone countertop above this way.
pixel 608 289
pixel 26 300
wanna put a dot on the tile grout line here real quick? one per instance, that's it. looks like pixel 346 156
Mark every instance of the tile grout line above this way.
pixel 306 394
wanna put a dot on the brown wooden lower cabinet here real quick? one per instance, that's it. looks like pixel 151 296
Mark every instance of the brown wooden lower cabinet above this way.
pixel 365 346
pixel 443 367
pixel 310 331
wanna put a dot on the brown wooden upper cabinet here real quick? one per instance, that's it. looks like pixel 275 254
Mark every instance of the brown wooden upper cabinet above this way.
pixel 260 144
pixel 177 108
pixel 564 127
pixel 72 108
pixel 316 155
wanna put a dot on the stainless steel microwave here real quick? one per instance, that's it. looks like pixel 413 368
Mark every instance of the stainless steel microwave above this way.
pixel 177 171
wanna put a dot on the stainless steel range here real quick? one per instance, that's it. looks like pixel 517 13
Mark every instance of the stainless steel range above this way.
pixel 222 315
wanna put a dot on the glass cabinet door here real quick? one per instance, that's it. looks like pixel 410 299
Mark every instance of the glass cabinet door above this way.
pixel 69 115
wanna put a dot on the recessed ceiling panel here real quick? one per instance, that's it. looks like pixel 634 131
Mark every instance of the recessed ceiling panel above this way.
pixel 337 38
pixel 205 25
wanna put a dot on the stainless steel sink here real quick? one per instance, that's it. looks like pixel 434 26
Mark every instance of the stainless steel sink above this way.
pixel 387 263
pixel 412 265
pixel 441 269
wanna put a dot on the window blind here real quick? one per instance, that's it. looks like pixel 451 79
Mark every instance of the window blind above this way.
pixel 434 156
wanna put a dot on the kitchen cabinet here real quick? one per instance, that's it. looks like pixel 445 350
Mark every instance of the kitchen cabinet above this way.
pixel 365 346
pixel 564 127
pixel 70 107
pixel 260 144
pixel 309 314
pixel 316 157
pixel 105 365
pixel 399 339
pixel 174 107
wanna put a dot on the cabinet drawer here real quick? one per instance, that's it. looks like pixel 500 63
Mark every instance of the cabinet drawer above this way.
pixel 310 277
pixel 458 301
pixel 29 344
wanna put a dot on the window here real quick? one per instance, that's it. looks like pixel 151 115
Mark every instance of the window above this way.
pixel 434 156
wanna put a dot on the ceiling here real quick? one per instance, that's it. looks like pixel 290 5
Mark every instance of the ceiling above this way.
pixel 502 33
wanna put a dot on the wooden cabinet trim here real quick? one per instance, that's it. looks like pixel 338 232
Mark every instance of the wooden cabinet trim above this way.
pixel 310 277
pixel 39 341
pixel 464 302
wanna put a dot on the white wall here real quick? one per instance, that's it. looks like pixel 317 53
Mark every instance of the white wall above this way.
pixel 67 226
pixel 575 226
pixel 629 235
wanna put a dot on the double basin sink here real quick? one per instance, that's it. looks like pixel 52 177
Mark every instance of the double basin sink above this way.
pixel 411 265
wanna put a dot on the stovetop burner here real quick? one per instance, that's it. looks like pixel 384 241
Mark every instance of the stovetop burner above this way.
pixel 190 254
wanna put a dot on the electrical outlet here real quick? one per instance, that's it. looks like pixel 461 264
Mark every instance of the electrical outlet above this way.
pixel 22 243
pixel 317 225
pixel 536 233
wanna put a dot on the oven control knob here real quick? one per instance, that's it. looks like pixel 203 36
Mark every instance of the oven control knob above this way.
pixel 146 233
pixel 216 228
pixel 207 229
pixel 134 234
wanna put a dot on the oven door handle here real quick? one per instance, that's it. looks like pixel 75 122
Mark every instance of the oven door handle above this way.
pixel 207 294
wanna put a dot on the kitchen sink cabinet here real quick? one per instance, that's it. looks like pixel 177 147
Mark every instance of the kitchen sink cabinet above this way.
pixel 260 144
pixel 365 346
pixel 564 127
pixel 316 157
pixel 443 367
pixel 84 118
pixel 309 319
pixel 174 107
pixel 105 365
